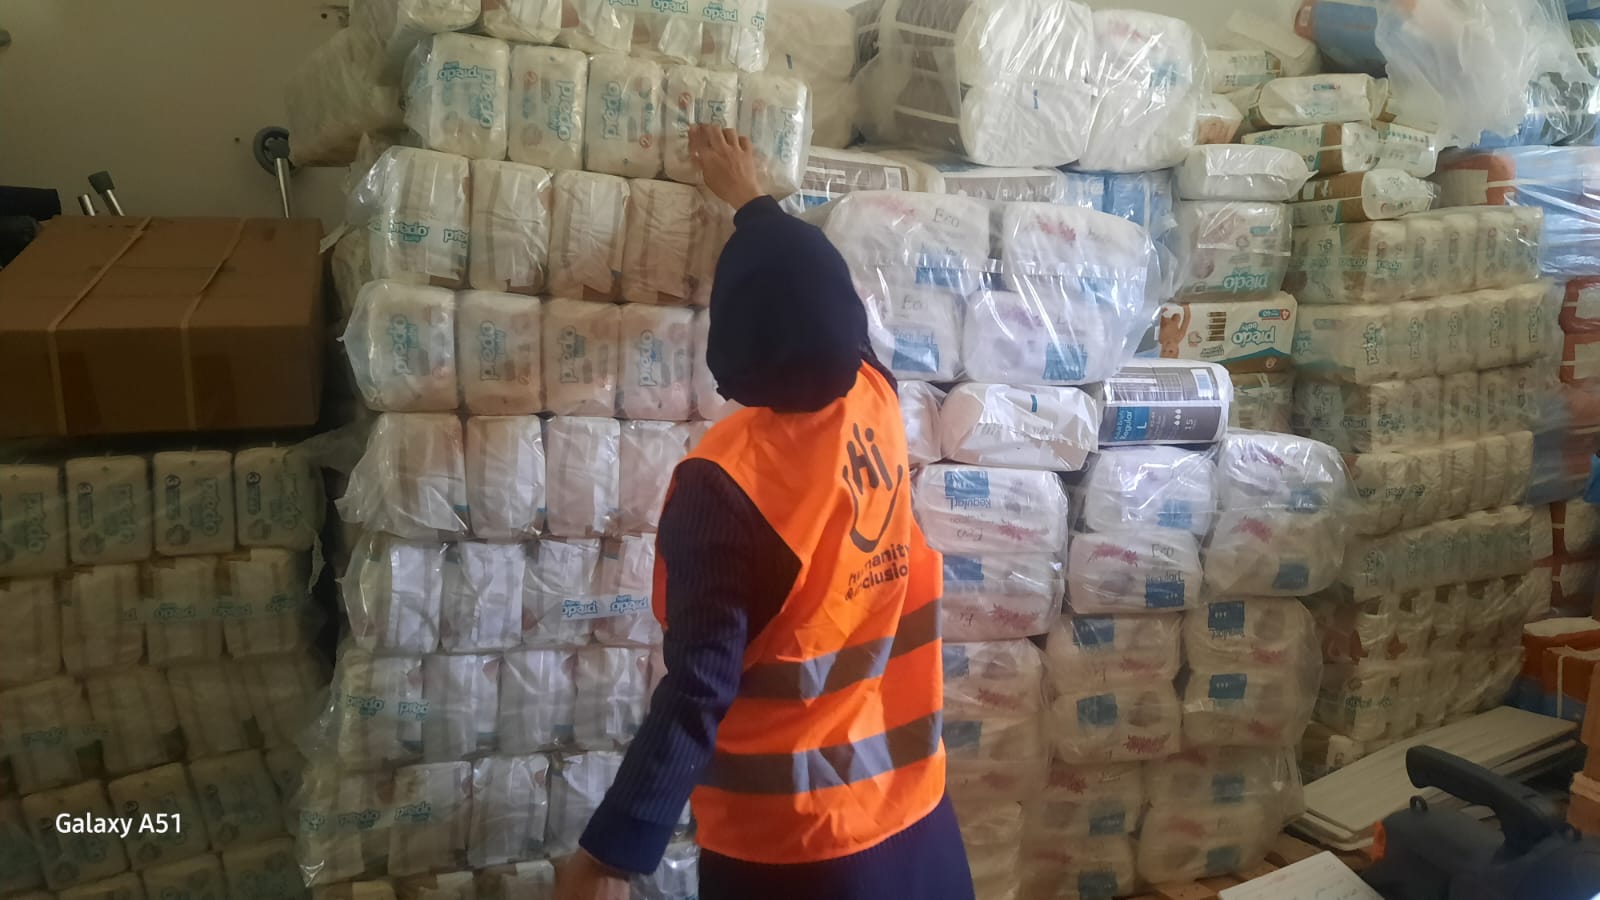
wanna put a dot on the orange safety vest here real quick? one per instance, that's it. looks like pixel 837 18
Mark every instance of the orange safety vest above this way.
pixel 833 742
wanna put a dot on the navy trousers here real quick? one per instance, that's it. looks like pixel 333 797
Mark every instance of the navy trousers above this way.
pixel 925 862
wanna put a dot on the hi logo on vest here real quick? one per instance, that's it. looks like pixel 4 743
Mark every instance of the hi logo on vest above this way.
pixel 873 491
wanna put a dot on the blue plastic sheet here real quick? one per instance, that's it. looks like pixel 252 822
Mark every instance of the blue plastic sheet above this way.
pixel 1564 182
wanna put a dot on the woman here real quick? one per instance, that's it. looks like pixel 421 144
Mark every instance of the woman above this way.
pixel 804 683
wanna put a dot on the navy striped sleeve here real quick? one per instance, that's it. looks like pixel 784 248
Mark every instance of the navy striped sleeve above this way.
pixel 728 574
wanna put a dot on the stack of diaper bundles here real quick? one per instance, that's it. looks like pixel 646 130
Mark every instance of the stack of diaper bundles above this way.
pixel 1185 668
pixel 155 624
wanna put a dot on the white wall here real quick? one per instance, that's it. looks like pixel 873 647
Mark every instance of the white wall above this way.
pixel 167 95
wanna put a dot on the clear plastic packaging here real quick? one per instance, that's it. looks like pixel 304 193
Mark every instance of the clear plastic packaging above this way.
pixel 414 205
pixel 549 97
pixel 559 571
pixel 457 95
pixel 392 594
pixel 587 231
pixel 498 343
pixel 977 511
pixel 72 860
pixel 1237 69
pixel 919 409
pixel 112 517
pixel 1236 250
pixel 510 227
pixel 993 720
pixel 1261 402
pixel 33 541
pixel 334 97
pixel 582 490
pixel 936 173
pixel 411 480
pixel 100 625
pixel 709 404
pixel 195 515
pixel 998 598
pixel 1030 428
pixel 775 114
pixel 397 26
pixel 1248 706
pixel 1232 172
pixel 1091 725
pixel 1000 86
pixel 1180 844
pixel 525 21
pixel 511 804
pixel 1131 570
pixel 831 174
pixel 1101 650
pixel 278 496
pixel 1537 185
pixel 1149 487
pixel 1245 336
pixel 676 878
pixel 657 347
pixel 55 706
pixel 623 136
pixel 649 454
pixel 1218 121
pixel 1150 73
pixel 481 596
pixel 30 631
pixel 1327 149
pixel 577 786
pixel 612 690
pixel 401 341
pixel 1317 100
pixel 582 357
pixel 693 97
pixel 1363 197
pixel 141 726
pixel 240 804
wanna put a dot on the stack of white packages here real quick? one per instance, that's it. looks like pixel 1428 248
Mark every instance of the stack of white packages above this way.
pixel 519 291
pixel 155 659
pixel 1184 669
pixel 816 43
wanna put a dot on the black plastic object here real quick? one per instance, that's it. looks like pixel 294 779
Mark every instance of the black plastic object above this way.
pixel 1438 854
pixel 101 182
pixel 270 145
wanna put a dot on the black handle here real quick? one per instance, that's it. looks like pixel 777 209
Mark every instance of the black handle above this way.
pixel 101 182
pixel 1525 817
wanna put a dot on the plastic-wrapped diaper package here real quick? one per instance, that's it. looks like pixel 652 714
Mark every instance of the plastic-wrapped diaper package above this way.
pixel 1327 149
pixel 971 510
pixel 936 173
pixel 1090 865
pixel 537 700
pixel 510 227
pixel 100 627
pixel 588 226
pixel 431 819
pixel 1218 121
pixel 111 520
pixel 1145 487
pixel 993 722
pixel 656 348
pixel 278 497
pixel 1355 698
pixel 22 861
pixel 1413 151
pixel 30 631
pixel 1237 250
pixel 1133 570
pixel 622 134
pixel 268 603
pixel 694 96
pixel 559 572
pixel 999 597
pixel 334 97
pixel 480 605
pixel 200 876
pixel 549 96
pixel 1258 471
pixel 510 807
pixel 919 410
pixel 1180 843
pixel 1362 197
pixel 526 21
pixel 775 113
pixel 582 490
pixel 1053 334
pixel 414 205
pixel 1201 776
pixel 392 591
pixel 582 349
pixel 831 174
pixel 344 825
pixel 53 707
pixel 900 239
pixel 1354 343
pixel 1151 74
pixel 1317 100
pixel 70 860
pixel 1000 87
pixel 141 726
pixel 397 27
pixel 1116 724
pixel 411 481
pixel 1099 650
pixel 992 833
pixel 195 514
pixel 1085 802
pixel 163 790
pixel 1272 553
pixel 626 584
pixel 281 689
pixel 1362 262
pixel 269 864
pixel 457 95
pixel 916 330
pixel 1453 322
pixel 612 688
pixel 659 252
pixel 1030 428
pixel 497 359
pixel 708 403
pixel 401 341
pixel 33 537
pixel 239 801
pixel 1261 401
pixel 994 679
pixel 1236 69
pixel 1231 172
pixel 213 708
pixel 649 453
pixel 577 785
pixel 379 709
pixel 1240 706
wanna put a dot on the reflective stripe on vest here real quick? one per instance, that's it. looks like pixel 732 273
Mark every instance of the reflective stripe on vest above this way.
pixel 813 678
pixel 826 767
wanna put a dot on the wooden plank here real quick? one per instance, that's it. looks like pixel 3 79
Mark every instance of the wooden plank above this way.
pixel 1249 873
pixel 1286 851
pixel 1188 891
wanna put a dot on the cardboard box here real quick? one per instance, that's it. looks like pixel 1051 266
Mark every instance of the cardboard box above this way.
pixel 128 325
pixel 1584 811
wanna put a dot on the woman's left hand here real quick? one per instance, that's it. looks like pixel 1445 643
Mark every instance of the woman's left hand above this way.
pixel 582 877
